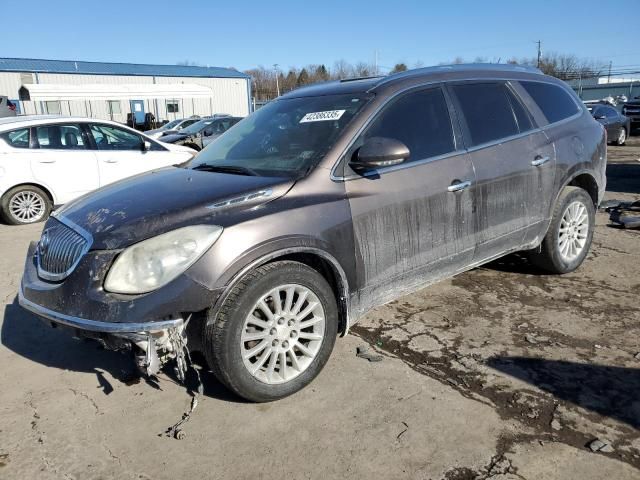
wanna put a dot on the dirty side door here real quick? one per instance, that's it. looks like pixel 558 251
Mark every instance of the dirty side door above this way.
pixel 413 221
pixel 498 132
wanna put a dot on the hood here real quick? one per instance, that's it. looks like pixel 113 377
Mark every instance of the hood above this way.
pixel 146 205
pixel 173 137
pixel 180 148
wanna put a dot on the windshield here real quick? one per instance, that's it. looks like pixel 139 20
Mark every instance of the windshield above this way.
pixel 197 127
pixel 171 124
pixel 286 137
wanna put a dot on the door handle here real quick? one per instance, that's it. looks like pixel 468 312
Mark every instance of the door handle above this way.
pixel 456 187
pixel 539 160
pixel 110 160
pixel 46 161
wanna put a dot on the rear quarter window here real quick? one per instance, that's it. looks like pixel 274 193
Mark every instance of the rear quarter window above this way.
pixel 16 138
pixel 554 101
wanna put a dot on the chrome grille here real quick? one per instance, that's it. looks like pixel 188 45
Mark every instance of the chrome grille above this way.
pixel 60 248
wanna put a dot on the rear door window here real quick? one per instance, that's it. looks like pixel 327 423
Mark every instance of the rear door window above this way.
pixel 554 101
pixel 420 120
pixel 487 110
pixel 17 138
pixel 60 137
pixel 522 114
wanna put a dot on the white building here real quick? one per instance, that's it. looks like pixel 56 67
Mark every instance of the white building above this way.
pixel 113 90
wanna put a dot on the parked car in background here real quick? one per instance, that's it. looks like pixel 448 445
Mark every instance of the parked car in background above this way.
pixel 49 160
pixel 200 134
pixel 172 126
pixel 631 109
pixel 618 126
pixel 327 202
pixel 7 107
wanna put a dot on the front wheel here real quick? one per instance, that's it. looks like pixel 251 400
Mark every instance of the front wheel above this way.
pixel 568 239
pixel 274 332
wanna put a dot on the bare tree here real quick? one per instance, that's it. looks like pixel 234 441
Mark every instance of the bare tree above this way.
pixel 559 65
pixel 342 69
pixel 363 69
pixel 399 67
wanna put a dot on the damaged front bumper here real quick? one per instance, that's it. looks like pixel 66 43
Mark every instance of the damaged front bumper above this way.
pixel 153 325
pixel 157 341
pixel 95 325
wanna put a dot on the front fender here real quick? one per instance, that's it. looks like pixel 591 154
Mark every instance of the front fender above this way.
pixel 261 256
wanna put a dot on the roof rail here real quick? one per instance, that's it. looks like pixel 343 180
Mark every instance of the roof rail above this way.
pixel 461 67
pixel 354 79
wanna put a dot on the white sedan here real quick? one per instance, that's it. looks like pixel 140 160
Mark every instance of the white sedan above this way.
pixel 49 160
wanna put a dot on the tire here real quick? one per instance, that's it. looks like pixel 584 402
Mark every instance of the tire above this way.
pixel 35 200
pixel 622 137
pixel 227 335
pixel 554 255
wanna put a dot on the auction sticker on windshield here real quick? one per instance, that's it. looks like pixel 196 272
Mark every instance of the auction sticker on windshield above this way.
pixel 322 116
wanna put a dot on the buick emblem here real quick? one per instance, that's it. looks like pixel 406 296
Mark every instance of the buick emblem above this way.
pixel 43 244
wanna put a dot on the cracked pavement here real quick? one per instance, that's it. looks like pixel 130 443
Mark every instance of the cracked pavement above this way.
pixel 499 373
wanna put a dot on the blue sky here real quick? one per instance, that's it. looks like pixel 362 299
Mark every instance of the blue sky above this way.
pixel 247 33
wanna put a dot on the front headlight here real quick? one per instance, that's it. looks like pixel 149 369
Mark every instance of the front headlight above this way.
pixel 152 263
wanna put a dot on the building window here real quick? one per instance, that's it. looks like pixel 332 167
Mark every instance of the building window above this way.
pixel 172 106
pixel 113 106
pixel 53 107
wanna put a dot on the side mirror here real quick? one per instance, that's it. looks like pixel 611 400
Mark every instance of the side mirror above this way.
pixel 599 117
pixel 380 152
pixel 146 146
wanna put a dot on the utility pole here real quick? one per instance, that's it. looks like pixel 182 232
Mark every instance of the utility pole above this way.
pixel 609 76
pixel 376 61
pixel 539 52
pixel 275 67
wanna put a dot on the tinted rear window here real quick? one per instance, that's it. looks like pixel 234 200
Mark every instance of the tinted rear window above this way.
pixel 487 110
pixel 554 101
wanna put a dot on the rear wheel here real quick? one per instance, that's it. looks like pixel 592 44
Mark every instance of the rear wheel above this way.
pixel 25 204
pixel 274 333
pixel 568 239
pixel 622 137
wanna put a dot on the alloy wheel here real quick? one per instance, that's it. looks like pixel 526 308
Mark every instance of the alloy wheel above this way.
pixel 282 334
pixel 622 136
pixel 27 206
pixel 573 232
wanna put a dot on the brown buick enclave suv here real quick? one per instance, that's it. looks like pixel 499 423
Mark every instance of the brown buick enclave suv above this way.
pixel 328 201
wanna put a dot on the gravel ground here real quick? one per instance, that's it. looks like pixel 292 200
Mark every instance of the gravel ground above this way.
pixel 501 372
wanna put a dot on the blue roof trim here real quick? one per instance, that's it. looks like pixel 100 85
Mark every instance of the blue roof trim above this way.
pixel 99 68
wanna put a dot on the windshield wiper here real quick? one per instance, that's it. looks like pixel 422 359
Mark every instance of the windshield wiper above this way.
pixel 233 169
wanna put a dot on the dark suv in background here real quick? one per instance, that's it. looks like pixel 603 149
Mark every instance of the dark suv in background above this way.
pixel 631 109
pixel 323 204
